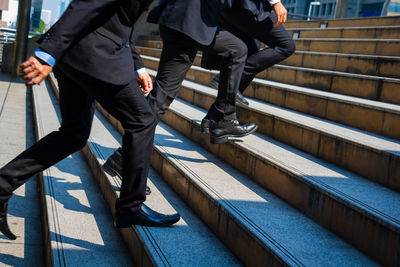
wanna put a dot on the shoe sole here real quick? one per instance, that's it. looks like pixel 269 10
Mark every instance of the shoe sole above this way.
pixel 224 138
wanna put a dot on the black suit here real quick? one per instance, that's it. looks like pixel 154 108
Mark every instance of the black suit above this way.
pixel 185 27
pixel 95 61
pixel 252 21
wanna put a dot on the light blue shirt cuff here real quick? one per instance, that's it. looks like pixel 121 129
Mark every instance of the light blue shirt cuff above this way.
pixel 140 71
pixel 46 57
pixel 273 2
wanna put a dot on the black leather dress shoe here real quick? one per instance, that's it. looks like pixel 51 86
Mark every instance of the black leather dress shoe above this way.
pixel 113 166
pixel 3 221
pixel 205 125
pixel 220 131
pixel 146 217
pixel 241 100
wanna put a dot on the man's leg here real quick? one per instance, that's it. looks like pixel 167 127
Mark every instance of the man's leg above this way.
pixel 233 53
pixel 176 58
pixel 128 104
pixel 280 44
pixel 77 113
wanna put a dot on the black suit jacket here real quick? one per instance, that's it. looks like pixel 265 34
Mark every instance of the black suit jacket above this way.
pixel 260 9
pixel 197 19
pixel 93 36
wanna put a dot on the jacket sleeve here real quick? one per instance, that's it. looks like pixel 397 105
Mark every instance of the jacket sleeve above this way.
pixel 136 58
pixel 77 20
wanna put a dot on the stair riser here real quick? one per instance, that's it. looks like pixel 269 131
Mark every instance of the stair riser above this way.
pixel 367 66
pixel 380 48
pixel 374 89
pixel 349 33
pixel 364 232
pixel 350 47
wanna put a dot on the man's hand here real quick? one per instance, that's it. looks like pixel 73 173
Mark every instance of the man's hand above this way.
pixel 281 14
pixel 34 70
pixel 145 82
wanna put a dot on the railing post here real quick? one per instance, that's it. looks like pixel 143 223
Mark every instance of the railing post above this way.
pixel 21 37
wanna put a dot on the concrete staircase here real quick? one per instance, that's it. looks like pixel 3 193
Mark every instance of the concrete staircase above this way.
pixel 317 185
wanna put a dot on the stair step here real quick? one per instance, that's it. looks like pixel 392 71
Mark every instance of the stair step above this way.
pixel 374 116
pixel 201 180
pixel 187 243
pixel 258 226
pixel 370 155
pixel 76 226
pixel 383 66
pixel 364 86
pixel 386 66
pixel 382 47
pixel 364 213
pixel 358 85
pixel 374 32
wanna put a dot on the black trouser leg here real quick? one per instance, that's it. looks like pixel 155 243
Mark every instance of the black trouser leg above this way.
pixel 177 56
pixel 233 53
pixel 77 112
pixel 280 44
pixel 128 105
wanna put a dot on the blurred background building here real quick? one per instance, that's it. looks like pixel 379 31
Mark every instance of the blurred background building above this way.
pixel 355 8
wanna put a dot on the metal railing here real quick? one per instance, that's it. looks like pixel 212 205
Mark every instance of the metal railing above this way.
pixel 7 36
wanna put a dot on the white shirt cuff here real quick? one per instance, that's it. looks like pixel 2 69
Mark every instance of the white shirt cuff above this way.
pixel 273 2
pixel 140 71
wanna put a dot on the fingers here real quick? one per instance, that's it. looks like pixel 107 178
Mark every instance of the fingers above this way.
pixel 280 20
pixel 145 82
pixel 33 71
pixel 281 14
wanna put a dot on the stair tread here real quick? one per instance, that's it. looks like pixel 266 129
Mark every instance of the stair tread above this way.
pixel 295 237
pixel 189 241
pixel 381 202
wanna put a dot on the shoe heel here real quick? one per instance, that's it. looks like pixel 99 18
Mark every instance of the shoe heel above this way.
pixel 218 140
